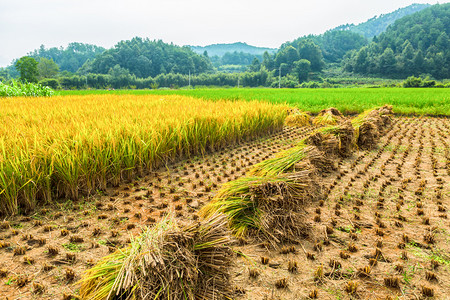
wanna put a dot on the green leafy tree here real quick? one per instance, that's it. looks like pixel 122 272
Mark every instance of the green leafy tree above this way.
pixel 286 56
pixel 387 62
pixel 255 66
pixel 302 68
pixel 267 61
pixel 47 68
pixel 418 62
pixel 27 67
pixel 361 63
pixel 308 50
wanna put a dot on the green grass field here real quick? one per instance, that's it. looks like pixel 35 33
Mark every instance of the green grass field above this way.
pixel 430 101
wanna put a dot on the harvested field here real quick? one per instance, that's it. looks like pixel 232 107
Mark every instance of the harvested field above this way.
pixel 379 229
pixel 74 235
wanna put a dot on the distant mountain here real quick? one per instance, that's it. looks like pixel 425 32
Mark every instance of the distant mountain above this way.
pixel 379 24
pixel 221 49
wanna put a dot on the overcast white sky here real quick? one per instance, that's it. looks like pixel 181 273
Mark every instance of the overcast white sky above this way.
pixel 26 24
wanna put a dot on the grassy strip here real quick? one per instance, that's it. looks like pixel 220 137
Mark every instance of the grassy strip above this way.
pixel 430 101
pixel 72 146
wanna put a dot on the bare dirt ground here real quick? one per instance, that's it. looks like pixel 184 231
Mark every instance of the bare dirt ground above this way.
pixel 383 222
pixel 381 233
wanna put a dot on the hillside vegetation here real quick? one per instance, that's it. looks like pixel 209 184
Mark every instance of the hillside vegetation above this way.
pixel 379 24
pixel 413 45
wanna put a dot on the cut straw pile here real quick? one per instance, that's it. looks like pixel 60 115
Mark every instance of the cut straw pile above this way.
pixel 329 116
pixel 297 118
pixel 370 125
pixel 166 262
pixel 268 202
pixel 334 140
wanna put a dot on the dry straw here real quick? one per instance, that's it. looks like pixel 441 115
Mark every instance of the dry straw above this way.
pixel 167 261
pixel 329 116
pixel 298 118
pixel 370 125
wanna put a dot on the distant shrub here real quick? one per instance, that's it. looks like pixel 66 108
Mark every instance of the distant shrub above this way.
pixel 50 82
pixel 416 82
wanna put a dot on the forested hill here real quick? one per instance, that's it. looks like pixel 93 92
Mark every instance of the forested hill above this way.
pixel 379 24
pixel 336 42
pixel 333 44
pixel 413 45
pixel 70 58
pixel 221 49
pixel 144 58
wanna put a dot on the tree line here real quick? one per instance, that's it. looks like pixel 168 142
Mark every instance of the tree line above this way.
pixel 417 44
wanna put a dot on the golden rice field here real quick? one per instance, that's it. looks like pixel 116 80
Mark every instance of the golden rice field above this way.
pixel 70 146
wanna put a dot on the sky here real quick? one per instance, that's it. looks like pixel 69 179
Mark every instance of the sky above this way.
pixel 27 24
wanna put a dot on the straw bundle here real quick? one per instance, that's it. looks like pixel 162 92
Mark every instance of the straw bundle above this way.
pixel 166 262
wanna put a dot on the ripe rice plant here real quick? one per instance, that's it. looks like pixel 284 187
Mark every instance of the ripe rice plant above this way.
pixel 370 124
pixel 67 146
pixel 263 204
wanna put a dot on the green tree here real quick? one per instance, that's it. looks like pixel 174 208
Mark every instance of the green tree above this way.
pixel 4 74
pixel 387 62
pixel 361 63
pixel 308 50
pixel 418 62
pixel 47 68
pixel 267 61
pixel 302 68
pixel 27 67
pixel 255 66
pixel 286 56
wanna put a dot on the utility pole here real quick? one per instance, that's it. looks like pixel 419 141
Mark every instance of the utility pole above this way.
pixel 189 78
pixel 279 78
pixel 239 78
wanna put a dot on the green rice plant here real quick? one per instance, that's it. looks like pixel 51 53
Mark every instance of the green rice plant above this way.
pixel 166 261
pixel 417 101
